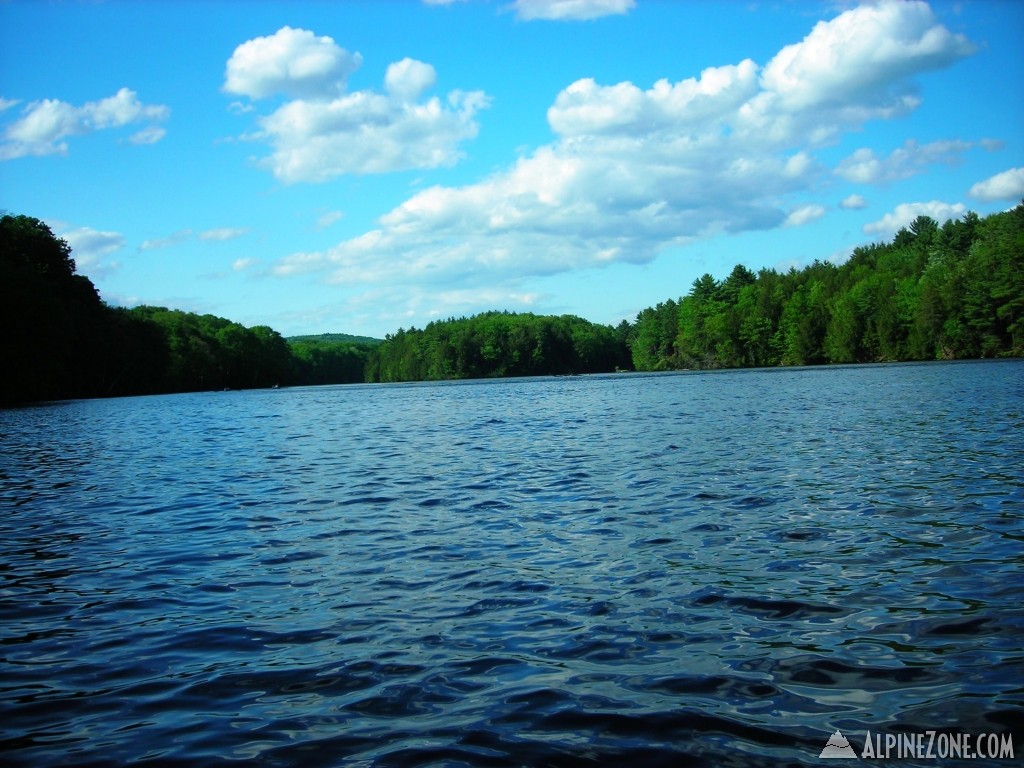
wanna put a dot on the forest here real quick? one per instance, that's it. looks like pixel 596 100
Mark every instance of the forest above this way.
pixel 949 291
pixel 61 340
pixel 954 291
pixel 498 344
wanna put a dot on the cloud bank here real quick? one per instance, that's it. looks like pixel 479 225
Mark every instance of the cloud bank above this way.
pixel 635 171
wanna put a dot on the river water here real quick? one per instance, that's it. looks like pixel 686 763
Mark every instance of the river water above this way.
pixel 713 569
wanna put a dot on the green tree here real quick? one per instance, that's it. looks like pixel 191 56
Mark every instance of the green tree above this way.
pixel 804 324
pixel 51 316
pixel 698 331
pixel 496 344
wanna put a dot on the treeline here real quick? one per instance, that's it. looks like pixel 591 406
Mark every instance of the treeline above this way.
pixel 323 361
pixel 61 341
pixel 344 338
pixel 953 291
pixel 498 344
pixel 198 352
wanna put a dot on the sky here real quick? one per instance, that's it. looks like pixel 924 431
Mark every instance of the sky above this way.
pixel 360 167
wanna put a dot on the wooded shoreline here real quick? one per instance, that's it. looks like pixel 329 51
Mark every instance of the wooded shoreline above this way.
pixel 949 291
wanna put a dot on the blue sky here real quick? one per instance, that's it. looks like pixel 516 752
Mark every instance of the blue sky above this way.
pixel 363 166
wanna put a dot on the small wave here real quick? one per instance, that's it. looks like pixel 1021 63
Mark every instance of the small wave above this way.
pixel 534 575
pixel 769 608
pixel 833 673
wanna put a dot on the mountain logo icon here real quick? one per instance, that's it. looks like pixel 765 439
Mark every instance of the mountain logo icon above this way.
pixel 838 747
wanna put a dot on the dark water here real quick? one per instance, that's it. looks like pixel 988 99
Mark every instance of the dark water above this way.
pixel 686 569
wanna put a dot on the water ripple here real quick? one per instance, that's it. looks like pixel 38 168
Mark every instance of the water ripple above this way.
pixel 691 569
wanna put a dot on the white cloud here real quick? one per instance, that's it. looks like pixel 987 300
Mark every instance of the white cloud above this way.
pixel 6 104
pixel 89 247
pixel 171 240
pixel 327 219
pixel 120 109
pixel 240 265
pixel 851 69
pixel 865 167
pixel 93 243
pixel 44 125
pixel 323 131
pixel 860 55
pixel 636 171
pixel 804 215
pixel 905 213
pixel 365 132
pixel 588 109
pixel 216 235
pixel 222 233
pixel 570 10
pixel 408 78
pixel 292 62
pixel 40 130
pixel 853 203
pixel 150 135
pixel 1008 185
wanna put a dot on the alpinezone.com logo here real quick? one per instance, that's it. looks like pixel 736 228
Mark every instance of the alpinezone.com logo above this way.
pixel 923 745
pixel 838 747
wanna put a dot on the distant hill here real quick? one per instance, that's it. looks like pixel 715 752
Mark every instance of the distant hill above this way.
pixel 345 338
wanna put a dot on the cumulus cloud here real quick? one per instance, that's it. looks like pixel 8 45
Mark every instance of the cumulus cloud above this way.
pixel 569 10
pixel 323 131
pixel 365 132
pixel 45 125
pixel 854 68
pixel 865 167
pixel 408 78
pixel 804 214
pixel 292 62
pixel 905 214
pixel 1008 185
pixel 634 171
pixel 588 109
pixel 861 55
pixel 853 203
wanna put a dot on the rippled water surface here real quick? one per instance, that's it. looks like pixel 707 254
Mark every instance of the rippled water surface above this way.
pixel 677 569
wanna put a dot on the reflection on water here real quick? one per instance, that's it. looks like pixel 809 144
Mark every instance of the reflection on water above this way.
pixel 716 569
